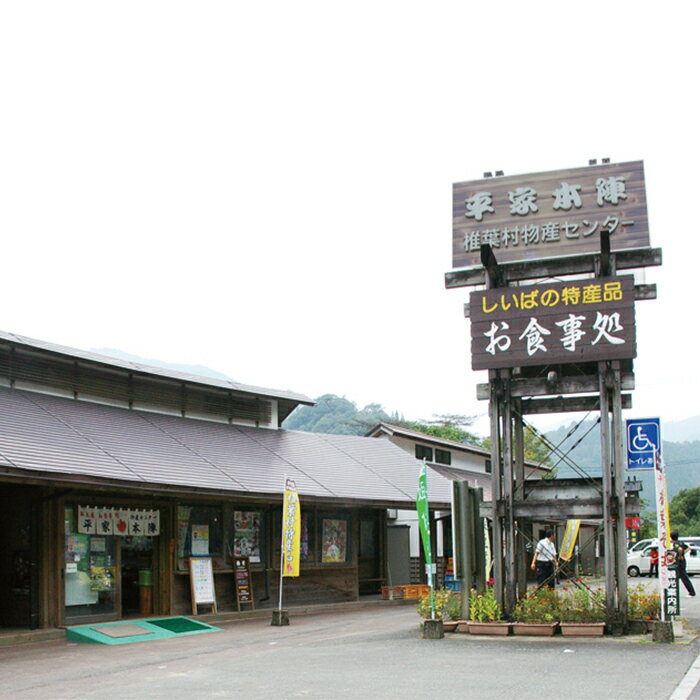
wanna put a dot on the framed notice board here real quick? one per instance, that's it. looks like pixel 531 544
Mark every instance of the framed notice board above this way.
pixel 202 583
pixel 242 582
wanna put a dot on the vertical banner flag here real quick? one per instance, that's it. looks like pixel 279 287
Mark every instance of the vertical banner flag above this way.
pixel 291 530
pixel 662 521
pixel 424 526
pixel 566 551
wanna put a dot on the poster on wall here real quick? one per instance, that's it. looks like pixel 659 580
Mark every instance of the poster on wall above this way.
pixel 334 540
pixel 246 540
pixel 200 540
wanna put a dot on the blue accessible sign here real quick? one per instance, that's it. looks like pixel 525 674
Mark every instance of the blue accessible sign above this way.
pixel 643 442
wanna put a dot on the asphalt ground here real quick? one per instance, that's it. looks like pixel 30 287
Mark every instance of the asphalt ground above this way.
pixel 360 653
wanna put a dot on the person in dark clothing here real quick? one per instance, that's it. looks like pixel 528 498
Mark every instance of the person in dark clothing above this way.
pixel 680 549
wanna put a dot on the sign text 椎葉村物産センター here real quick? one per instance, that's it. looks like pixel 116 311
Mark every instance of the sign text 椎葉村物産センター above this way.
pixel 549 215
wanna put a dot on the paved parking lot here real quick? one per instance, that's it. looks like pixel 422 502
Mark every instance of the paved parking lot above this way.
pixel 366 653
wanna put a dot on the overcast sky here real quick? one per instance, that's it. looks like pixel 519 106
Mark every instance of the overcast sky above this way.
pixel 265 188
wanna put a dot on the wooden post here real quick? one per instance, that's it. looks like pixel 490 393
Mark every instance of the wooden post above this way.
pixel 608 533
pixel 507 486
pixel 496 493
pixel 618 453
pixel 519 494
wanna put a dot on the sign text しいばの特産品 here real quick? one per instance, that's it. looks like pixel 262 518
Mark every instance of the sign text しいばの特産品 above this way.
pixel 577 321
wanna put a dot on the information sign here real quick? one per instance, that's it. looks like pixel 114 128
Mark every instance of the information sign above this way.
pixel 562 322
pixel 243 582
pixel 202 583
pixel 643 442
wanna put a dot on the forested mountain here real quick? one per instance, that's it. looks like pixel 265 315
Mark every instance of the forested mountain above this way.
pixel 682 458
pixel 335 414
pixel 580 443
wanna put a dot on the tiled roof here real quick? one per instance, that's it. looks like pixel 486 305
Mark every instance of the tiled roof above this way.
pixel 155 371
pixel 45 435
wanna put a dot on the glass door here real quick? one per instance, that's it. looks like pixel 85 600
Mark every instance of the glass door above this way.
pixel 91 586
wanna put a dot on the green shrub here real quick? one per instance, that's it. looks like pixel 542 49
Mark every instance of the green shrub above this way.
pixel 447 605
pixel 483 607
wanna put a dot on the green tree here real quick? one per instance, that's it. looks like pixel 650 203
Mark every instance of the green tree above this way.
pixel 684 511
pixel 536 450
pixel 336 414
pixel 446 426
pixel 647 529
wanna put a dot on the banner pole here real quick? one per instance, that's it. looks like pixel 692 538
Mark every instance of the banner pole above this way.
pixel 282 543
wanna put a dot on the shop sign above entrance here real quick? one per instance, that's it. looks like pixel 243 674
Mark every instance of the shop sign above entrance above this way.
pixel 118 521
pixel 551 214
pixel 578 321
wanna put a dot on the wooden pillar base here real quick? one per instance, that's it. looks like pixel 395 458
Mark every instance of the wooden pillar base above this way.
pixel 662 632
pixel 433 629
pixel 280 618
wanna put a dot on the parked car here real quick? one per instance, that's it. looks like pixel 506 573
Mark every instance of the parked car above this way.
pixel 639 562
pixel 643 544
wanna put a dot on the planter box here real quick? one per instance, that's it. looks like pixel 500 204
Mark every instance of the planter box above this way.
pixel 540 629
pixel 450 625
pixel 582 629
pixel 498 627
pixel 463 626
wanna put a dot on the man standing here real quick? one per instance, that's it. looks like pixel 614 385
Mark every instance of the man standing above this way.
pixel 545 559
pixel 680 549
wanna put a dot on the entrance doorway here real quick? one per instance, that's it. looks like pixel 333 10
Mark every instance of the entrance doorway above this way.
pixel 19 557
pixel 369 559
pixel 106 576
pixel 136 575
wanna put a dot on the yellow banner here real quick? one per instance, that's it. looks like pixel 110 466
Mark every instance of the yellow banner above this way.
pixel 291 530
pixel 567 545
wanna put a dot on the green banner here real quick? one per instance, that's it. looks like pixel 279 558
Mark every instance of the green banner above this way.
pixel 423 511
pixel 423 515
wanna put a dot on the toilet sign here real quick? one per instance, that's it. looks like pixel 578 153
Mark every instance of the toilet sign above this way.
pixel 643 442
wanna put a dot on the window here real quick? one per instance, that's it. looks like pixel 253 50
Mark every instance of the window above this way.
pixel 443 456
pixel 199 531
pixel 423 452
pixel 487 466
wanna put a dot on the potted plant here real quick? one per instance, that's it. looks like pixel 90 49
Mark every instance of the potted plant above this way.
pixel 643 609
pixel 537 613
pixel 485 614
pixel 582 612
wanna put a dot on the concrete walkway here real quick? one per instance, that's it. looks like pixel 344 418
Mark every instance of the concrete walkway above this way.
pixel 370 651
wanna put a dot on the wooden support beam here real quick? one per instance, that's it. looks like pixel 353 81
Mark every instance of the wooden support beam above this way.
pixel 539 386
pixel 550 509
pixel 555 267
pixel 569 404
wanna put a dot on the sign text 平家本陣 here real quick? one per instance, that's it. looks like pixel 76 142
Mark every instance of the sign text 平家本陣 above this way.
pixel 551 214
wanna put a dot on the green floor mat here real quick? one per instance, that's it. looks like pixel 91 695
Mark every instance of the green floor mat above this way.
pixel 179 625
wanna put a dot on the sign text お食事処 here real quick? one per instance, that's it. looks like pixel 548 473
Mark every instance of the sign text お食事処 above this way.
pixel 577 321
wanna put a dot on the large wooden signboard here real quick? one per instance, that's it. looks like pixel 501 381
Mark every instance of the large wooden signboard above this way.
pixel 242 582
pixel 551 214
pixel 577 321
pixel 202 583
